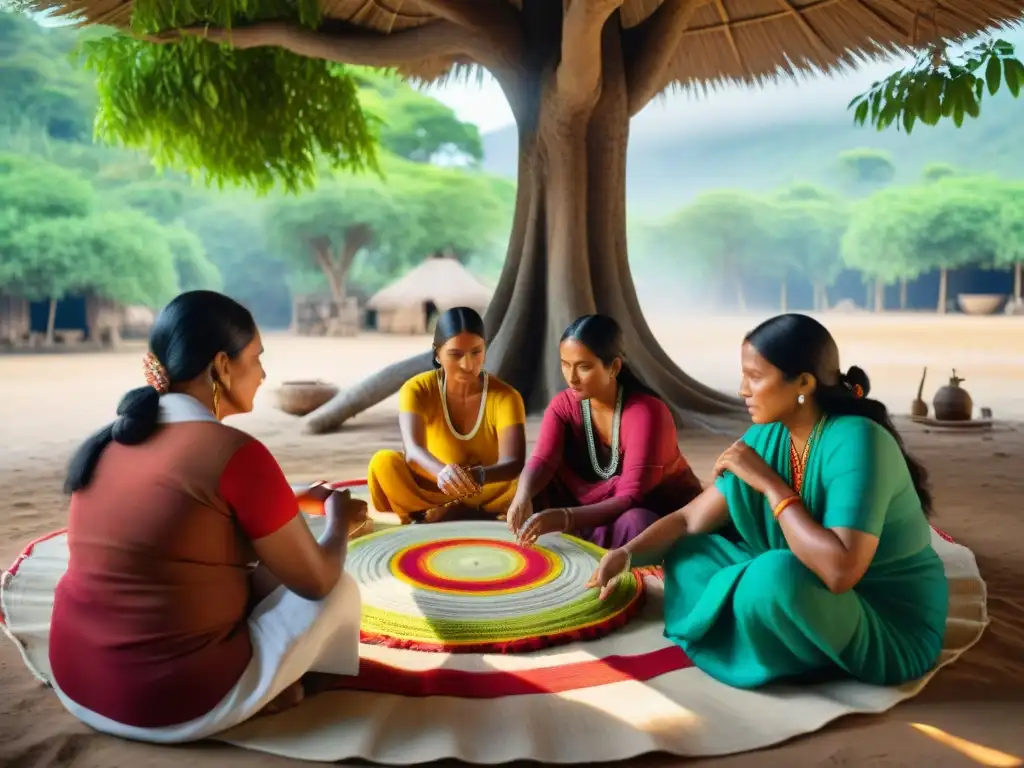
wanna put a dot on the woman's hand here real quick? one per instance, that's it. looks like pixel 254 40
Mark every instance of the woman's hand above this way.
pixel 342 510
pixel 558 520
pixel 456 481
pixel 612 565
pixel 519 511
pixel 744 462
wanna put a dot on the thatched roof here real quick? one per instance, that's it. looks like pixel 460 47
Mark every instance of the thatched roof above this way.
pixel 442 280
pixel 748 40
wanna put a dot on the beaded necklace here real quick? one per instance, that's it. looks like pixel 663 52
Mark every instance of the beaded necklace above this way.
pixel 798 463
pixel 588 427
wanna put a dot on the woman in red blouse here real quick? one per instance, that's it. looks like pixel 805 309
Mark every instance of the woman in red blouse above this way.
pixel 606 464
pixel 164 627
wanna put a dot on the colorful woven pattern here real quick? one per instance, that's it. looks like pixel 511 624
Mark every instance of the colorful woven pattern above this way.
pixel 423 588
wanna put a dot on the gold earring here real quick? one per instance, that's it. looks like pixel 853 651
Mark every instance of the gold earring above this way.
pixel 216 400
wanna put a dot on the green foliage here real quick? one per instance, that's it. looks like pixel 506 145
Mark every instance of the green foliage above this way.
pixel 865 170
pixel 40 90
pixel 808 236
pixel 53 241
pixel 232 232
pixel 1008 227
pixel 117 256
pixel 938 171
pixel 411 124
pixel 262 117
pixel 724 231
pixel 904 233
pixel 163 199
pixel 40 190
pixel 193 269
pixel 937 87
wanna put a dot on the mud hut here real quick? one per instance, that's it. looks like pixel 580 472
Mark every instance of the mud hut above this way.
pixel 412 302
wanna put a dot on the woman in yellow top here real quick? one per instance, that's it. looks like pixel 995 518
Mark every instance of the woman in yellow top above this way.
pixel 463 431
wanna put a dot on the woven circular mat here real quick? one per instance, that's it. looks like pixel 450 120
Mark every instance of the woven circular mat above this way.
pixel 467 587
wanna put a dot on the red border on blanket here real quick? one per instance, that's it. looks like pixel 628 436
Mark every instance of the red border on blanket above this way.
pixel 381 678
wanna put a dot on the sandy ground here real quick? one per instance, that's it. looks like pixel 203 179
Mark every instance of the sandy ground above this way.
pixel 50 402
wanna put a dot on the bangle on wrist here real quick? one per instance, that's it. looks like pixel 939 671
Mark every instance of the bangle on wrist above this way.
pixel 783 505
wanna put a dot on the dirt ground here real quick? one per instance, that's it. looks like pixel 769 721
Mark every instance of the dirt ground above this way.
pixel 970 715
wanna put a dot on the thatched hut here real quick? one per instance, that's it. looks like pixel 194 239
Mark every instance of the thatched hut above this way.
pixel 412 302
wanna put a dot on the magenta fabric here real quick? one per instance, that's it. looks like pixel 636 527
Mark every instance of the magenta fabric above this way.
pixel 653 476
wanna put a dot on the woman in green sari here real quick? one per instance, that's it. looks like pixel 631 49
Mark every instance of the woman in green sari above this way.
pixel 810 557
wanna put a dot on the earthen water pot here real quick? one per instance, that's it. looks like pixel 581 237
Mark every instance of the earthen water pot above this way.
pixel 952 402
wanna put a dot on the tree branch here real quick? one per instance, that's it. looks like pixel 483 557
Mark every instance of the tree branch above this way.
pixel 344 44
pixel 495 21
pixel 578 78
pixel 656 43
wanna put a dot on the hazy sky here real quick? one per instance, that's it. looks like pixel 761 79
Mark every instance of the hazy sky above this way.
pixel 676 113
pixel 485 104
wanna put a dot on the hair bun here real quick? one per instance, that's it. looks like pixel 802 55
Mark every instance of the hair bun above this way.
pixel 137 414
pixel 856 377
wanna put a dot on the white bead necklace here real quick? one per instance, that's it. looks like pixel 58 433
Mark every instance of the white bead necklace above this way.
pixel 447 416
pixel 588 427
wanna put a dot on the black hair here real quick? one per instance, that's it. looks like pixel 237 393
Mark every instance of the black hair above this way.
pixel 454 321
pixel 798 344
pixel 186 336
pixel 603 336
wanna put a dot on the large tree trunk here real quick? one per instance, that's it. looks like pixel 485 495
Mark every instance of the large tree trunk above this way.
pixel 903 294
pixel 879 296
pixel 943 291
pixel 1018 273
pixel 567 252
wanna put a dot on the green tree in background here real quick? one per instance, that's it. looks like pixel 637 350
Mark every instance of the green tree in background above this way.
pixel 325 230
pixel 412 125
pixel 232 230
pixel 54 243
pixel 900 234
pixel 1009 234
pixel 809 226
pixel 39 89
pixel 194 270
pixel 865 170
pixel 729 234
pixel 938 171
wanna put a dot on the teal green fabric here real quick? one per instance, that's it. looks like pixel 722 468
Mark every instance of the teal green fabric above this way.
pixel 748 612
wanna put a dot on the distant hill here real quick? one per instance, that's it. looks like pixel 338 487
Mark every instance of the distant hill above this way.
pixel 758 151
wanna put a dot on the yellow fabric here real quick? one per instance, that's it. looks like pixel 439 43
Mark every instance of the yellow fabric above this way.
pixel 402 488
pixel 504 408
pixel 394 488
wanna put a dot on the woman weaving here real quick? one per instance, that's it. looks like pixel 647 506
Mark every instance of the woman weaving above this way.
pixel 607 463
pixel 827 568
pixel 162 630
pixel 463 430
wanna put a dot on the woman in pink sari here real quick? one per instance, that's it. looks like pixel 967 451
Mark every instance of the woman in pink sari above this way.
pixel 606 464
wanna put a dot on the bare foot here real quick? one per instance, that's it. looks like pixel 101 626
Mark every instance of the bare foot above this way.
pixel 290 697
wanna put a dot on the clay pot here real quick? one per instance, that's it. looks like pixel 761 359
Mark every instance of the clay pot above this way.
pixel 301 397
pixel 952 402
pixel 980 303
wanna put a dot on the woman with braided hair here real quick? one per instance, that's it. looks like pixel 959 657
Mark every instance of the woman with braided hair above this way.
pixel 164 629
pixel 811 554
